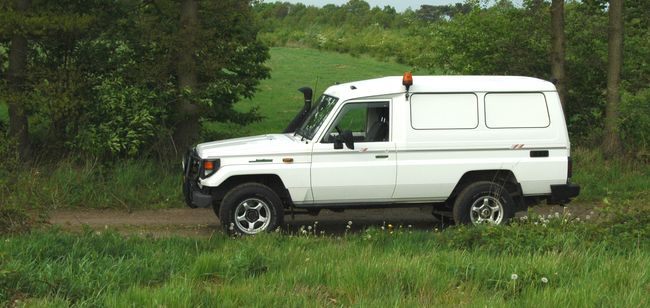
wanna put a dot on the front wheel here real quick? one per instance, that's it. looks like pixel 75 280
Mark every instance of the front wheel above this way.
pixel 483 202
pixel 250 208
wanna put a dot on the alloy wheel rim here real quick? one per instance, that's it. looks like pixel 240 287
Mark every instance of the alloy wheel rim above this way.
pixel 252 216
pixel 486 209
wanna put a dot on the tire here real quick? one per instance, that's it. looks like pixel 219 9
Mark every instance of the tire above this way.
pixel 249 209
pixel 483 202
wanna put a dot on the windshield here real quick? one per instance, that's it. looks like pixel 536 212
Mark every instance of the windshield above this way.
pixel 317 116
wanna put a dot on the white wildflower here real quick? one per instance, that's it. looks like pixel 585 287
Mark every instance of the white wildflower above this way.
pixel 544 280
pixel 514 276
pixel 350 223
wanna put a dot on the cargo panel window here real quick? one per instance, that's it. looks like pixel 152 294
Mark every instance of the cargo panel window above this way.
pixel 444 111
pixel 516 110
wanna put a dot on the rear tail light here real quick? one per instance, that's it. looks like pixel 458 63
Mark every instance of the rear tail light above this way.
pixel 569 172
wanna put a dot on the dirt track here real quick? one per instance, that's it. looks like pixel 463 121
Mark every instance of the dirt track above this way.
pixel 203 222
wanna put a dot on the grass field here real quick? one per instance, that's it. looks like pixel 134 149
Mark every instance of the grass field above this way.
pixel 292 68
pixel 127 185
pixel 540 262
pixel 553 263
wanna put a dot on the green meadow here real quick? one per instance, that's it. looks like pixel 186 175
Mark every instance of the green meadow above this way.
pixel 278 99
pixel 540 262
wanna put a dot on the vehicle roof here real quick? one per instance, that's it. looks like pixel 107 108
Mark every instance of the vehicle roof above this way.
pixel 393 84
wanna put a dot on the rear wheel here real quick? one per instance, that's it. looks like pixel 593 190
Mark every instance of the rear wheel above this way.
pixel 483 202
pixel 250 208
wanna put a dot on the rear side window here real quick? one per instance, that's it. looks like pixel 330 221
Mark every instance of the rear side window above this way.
pixel 444 111
pixel 516 110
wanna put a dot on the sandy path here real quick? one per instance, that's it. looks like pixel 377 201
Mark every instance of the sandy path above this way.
pixel 203 222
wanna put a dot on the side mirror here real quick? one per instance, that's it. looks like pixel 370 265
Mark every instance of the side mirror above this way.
pixel 344 137
pixel 338 144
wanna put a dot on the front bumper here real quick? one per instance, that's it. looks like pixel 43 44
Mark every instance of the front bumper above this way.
pixel 562 194
pixel 194 195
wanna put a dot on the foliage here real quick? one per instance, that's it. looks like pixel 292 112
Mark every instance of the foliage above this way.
pixel 635 123
pixel 135 184
pixel 493 39
pixel 122 120
pixel 102 77
pixel 13 219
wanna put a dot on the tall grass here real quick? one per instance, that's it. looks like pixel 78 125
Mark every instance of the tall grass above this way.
pixel 125 185
pixel 610 181
pixel 544 261
pixel 148 184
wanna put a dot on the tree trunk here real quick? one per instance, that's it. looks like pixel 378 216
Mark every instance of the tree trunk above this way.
pixel 558 46
pixel 18 125
pixel 612 142
pixel 187 129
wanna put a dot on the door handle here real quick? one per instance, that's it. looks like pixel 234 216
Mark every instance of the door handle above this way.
pixel 543 153
pixel 381 156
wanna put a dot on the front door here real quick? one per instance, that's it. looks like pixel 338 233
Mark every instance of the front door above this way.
pixel 363 174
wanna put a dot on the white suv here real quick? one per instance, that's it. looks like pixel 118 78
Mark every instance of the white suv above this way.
pixel 477 147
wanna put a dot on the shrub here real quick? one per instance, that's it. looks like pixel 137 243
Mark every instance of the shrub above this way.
pixel 635 122
pixel 123 120
pixel 12 218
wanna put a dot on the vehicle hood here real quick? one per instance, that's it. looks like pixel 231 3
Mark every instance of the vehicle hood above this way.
pixel 255 145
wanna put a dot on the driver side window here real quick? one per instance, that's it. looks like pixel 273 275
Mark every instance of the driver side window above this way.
pixel 368 122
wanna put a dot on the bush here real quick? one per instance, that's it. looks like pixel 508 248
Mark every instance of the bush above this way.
pixel 123 120
pixel 12 218
pixel 635 122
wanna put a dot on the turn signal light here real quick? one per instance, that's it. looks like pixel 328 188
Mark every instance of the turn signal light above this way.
pixel 208 165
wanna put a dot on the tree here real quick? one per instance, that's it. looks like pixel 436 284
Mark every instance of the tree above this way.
pixel 18 125
pixel 612 142
pixel 558 46
pixel 187 128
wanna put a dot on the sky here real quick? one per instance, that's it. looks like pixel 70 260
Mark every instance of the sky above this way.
pixel 399 5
